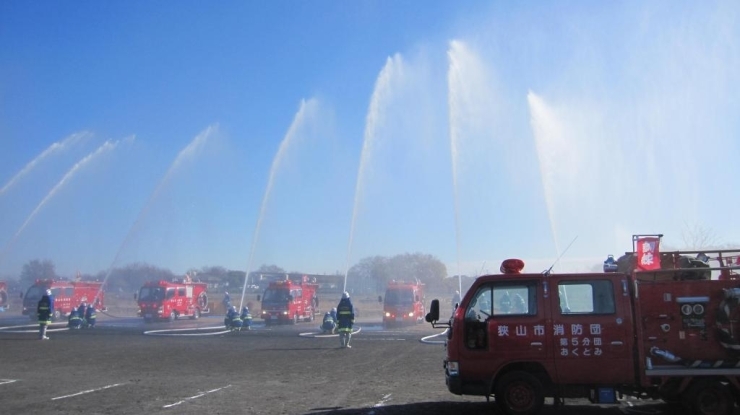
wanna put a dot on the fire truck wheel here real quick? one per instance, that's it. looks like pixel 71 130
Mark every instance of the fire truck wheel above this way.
pixel 295 318
pixel 196 314
pixel 519 393
pixel 709 397
pixel 173 316
pixel 57 315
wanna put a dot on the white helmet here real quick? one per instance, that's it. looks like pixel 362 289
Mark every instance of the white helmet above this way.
pixel 345 295
pixel 48 292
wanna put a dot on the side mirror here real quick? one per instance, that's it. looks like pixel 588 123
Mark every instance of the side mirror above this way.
pixel 380 298
pixel 416 298
pixel 259 297
pixel 433 314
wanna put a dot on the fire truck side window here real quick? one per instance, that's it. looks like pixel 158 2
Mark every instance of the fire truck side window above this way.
pixel 170 293
pixel 181 292
pixel 69 291
pixel 587 297
pixel 480 307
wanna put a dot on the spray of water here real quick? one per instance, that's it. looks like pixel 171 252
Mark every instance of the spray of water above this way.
pixel 381 93
pixel 453 98
pixel 187 153
pixel 54 148
pixel 550 142
pixel 104 148
pixel 306 111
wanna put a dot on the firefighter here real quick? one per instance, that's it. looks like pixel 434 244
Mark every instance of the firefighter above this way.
pixel 233 321
pixel 246 318
pixel 44 311
pixel 334 314
pixel 329 324
pixel 346 317
pixel 74 321
pixel 81 312
pixel 226 301
pixel 90 316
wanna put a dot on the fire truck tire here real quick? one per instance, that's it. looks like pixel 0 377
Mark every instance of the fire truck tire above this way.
pixel 3 298
pixel 709 397
pixel 173 316
pixel 196 314
pixel 519 393
pixel 295 319
pixel 56 316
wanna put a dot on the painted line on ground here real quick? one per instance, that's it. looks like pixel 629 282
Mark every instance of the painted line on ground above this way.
pixel 33 328
pixel 7 381
pixel 380 403
pixel 87 391
pixel 177 332
pixel 320 334
pixel 196 396
pixel 426 340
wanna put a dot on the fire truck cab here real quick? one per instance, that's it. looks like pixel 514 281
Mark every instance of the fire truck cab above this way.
pixel 170 300
pixel 648 334
pixel 403 303
pixel 289 301
pixel 66 294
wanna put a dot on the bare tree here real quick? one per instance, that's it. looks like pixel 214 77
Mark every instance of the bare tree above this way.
pixel 696 237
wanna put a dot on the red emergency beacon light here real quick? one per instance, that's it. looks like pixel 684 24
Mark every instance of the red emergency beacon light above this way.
pixel 512 266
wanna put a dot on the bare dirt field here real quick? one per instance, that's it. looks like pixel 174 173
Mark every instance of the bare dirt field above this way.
pixel 118 369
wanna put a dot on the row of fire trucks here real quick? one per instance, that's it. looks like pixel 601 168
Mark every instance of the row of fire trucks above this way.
pixel 665 325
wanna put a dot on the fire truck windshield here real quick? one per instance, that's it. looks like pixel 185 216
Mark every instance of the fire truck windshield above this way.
pixel 273 295
pixel 395 297
pixel 151 293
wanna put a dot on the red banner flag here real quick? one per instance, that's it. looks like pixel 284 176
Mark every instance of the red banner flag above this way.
pixel 648 253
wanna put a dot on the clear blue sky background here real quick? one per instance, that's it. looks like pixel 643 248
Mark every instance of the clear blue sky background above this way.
pixel 570 119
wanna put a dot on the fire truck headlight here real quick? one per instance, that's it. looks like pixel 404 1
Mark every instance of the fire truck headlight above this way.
pixel 387 314
pixel 264 312
pixel 453 368
pixel 411 314
pixel 285 313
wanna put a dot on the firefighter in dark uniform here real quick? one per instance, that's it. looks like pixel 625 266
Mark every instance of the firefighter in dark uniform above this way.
pixel 81 312
pixel 90 316
pixel 74 321
pixel 345 317
pixel 246 317
pixel 44 312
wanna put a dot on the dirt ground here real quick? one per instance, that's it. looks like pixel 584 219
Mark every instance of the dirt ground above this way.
pixel 118 369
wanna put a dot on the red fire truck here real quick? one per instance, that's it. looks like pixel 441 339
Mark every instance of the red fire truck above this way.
pixel 289 301
pixel 656 332
pixel 4 295
pixel 67 295
pixel 169 300
pixel 403 303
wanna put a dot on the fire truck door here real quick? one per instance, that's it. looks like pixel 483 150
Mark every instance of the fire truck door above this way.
pixel 592 329
pixel 505 321
pixel 189 291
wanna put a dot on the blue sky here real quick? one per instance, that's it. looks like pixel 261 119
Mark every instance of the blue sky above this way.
pixel 173 120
